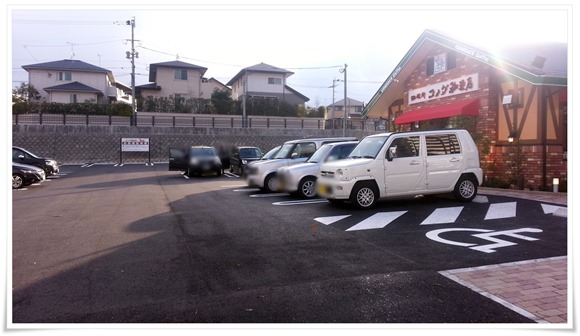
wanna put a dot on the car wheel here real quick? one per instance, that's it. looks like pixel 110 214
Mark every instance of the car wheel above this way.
pixel 307 187
pixel 218 172
pixel 271 183
pixel 465 189
pixel 364 196
pixel 189 172
pixel 17 181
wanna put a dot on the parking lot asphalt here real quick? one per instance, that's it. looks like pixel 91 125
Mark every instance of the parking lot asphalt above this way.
pixel 537 288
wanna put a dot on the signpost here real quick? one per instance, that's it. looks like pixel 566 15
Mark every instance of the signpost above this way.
pixel 135 145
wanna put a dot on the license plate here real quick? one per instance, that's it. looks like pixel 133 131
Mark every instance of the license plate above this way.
pixel 322 189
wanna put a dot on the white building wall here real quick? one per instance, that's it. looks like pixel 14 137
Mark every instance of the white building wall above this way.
pixel 258 82
pixel 41 79
pixel 171 86
pixel 208 88
pixel 64 97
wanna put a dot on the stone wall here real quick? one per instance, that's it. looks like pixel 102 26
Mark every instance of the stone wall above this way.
pixel 101 144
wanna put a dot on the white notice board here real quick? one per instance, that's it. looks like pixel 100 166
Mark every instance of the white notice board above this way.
pixel 134 144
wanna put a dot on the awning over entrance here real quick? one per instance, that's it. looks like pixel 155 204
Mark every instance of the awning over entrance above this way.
pixel 466 107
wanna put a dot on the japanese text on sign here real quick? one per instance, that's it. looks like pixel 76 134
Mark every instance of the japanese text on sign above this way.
pixel 444 89
pixel 135 144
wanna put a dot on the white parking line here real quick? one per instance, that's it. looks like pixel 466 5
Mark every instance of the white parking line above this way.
pixel 443 216
pixel 377 221
pixel 330 219
pixel 300 202
pixel 270 195
pixel 249 189
pixel 501 210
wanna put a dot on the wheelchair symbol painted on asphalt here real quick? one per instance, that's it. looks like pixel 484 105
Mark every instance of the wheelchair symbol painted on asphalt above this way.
pixel 488 235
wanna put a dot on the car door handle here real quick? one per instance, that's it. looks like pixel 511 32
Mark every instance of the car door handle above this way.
pixel 414 163
pixel 455 160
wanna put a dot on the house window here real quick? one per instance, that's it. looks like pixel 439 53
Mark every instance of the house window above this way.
pixel 64 76
pixel 441 63
pixel 358 108
pixel 204 80
pixel 272 80
pixel 73 98
pixel 181 74
pixel 517 98
pixel 180 98
pixel 338 108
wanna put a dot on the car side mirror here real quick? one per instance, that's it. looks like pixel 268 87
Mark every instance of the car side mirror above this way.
pixel 391 153
pixel 294 155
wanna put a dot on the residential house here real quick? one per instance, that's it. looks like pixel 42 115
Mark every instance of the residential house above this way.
pixel 179 80
pixel 514 100
pixel 74 81
pixel 265 81
pixel 337 110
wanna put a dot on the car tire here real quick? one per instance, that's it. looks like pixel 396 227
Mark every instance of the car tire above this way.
pixel 333 201
pixel 307 187
pixel 218 172
pixel 189 173
pixel 17 181
pixel 465 189
pixel 364 196
pixel 270 183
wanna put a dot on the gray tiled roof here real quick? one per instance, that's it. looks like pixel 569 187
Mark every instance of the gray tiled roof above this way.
pixel 71 65
pixel 555 54
pixel 73 87
pixel 262 67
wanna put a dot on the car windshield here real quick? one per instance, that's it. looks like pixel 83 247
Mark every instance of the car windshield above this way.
pixel 320 154
pixel 203 152
pixel 368 148
pixel 271 153
pixel 250 153
pixel 284 151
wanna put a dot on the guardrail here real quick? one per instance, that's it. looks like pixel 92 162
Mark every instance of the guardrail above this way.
pixel 197 120
pixel 209 121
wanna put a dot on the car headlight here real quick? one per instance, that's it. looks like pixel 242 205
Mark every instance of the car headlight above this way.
pixel 50 162
pixel 341 174
pixel 244 161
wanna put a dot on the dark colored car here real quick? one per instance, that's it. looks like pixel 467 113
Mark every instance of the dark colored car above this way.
pixel 24 175
pixel 23 156
pixel 195 160
pixel 243 155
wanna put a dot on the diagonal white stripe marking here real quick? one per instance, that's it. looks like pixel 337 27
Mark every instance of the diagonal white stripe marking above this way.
pixel 329 220
pixel 549 209
pixel 501 210
pixel 443 216
pixel 377 221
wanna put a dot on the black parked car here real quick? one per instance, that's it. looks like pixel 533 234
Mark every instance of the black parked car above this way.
pixel 24 175
pixel 243 155
pixel 23 156
pixel 195 160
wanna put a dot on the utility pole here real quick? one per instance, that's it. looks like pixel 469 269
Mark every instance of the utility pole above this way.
pixel 334 81
pixel 343 70
pixel 132 55
pixel 244 116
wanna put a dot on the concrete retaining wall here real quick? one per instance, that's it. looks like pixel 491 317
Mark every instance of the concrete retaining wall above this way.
pixel 101 144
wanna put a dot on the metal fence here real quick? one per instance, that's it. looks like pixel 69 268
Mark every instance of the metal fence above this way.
pixel 197 120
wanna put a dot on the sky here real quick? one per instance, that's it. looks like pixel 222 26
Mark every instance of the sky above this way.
pixel 315 42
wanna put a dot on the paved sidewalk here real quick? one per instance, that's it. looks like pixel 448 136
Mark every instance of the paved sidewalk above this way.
pixel 537 289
